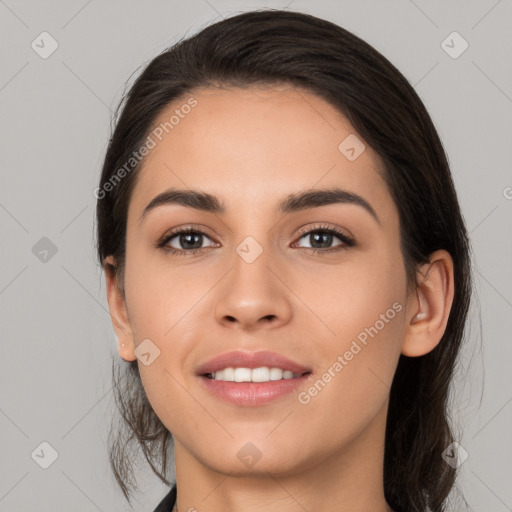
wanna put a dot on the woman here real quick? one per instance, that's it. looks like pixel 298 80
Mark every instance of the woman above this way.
pixel 287 273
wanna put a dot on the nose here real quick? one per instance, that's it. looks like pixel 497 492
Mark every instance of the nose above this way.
pixel 253 295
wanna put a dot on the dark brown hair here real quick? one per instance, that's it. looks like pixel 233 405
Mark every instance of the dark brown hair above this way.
pixel 269 47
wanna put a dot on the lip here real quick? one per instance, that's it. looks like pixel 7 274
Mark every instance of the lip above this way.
pixel 241 359
pixel 251 394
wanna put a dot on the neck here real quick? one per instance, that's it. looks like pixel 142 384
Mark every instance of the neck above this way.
pixel 347 479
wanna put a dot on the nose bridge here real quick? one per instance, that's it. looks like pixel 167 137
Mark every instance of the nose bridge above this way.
pixel 252 293
pixel 252 261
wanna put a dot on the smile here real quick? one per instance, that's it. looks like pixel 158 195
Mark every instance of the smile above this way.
pixel 262 374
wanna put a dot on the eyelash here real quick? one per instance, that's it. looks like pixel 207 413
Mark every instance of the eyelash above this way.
pixel 346 240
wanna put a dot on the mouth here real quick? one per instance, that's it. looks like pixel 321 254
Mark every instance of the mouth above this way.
pixel 252 378
pixel 260 374
pixel 241 361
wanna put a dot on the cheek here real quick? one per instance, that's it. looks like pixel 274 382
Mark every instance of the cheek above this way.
pixel 363 305
pixel 158 295
pixel 350 298
pixel 163 304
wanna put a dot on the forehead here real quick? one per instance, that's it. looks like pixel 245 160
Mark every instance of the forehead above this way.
pixel 251 146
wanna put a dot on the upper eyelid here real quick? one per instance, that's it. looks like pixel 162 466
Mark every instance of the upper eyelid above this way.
pixel 178 231
pixel 335 230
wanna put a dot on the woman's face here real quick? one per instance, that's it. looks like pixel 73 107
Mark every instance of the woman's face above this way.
pixel 261 281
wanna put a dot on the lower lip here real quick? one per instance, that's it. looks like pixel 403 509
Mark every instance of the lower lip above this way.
pixel 252 394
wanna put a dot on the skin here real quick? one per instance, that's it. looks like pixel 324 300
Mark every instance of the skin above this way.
pixel 250 148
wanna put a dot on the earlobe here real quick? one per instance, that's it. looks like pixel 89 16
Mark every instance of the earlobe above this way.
pixel 428 307
pixel 118 311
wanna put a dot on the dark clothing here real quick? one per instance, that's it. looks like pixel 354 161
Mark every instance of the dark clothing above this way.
pixel 167 504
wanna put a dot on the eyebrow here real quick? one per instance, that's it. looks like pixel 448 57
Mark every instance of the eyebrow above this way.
pixel 312 198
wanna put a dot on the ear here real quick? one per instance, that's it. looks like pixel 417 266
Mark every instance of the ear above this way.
pixel 428 307
pixel 118 311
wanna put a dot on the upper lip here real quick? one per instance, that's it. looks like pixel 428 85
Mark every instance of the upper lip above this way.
pixel 241 359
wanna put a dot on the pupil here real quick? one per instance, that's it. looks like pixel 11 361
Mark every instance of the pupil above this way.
pixel 185 239
pixel 327 237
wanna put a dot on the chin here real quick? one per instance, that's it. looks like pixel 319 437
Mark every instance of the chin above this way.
pixel 258 457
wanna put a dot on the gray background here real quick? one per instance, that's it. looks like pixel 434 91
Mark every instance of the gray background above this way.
pixel 57 337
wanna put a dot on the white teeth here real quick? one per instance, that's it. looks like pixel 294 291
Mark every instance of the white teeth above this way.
pixel 259 374
pixel 262 374
pixel 242 375
pixel 229 374
pixel 276 374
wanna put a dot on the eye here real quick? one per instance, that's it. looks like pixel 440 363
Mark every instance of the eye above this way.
pixel 189 241
pixel 322 236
